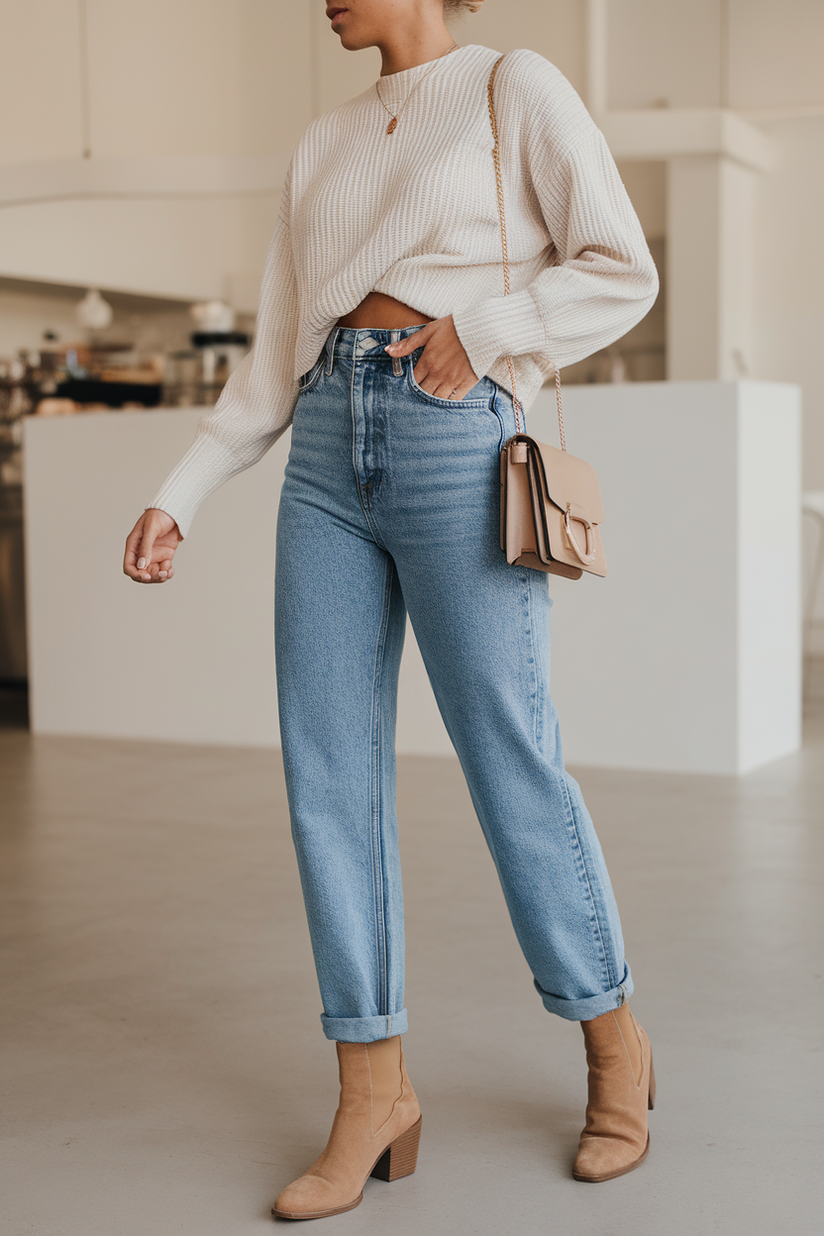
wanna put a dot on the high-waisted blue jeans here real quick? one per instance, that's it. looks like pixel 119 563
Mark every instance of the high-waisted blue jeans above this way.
pixel 389 505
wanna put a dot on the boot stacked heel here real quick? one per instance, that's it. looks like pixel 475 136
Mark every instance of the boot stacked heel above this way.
pixel 401 1157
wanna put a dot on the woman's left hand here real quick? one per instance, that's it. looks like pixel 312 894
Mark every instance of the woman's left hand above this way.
pixel 443 368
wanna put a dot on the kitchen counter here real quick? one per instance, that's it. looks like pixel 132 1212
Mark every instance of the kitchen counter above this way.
pixel 191 660
pixel 686 657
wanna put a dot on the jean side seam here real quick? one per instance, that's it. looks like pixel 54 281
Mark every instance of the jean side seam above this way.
pixel 376 797
pixel 536 662
pixel 533 685
pixel 574 827
pixel 570 812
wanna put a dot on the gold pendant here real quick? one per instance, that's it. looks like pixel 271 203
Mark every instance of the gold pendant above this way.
pixel 392 126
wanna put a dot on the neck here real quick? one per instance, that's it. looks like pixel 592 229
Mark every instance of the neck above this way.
pixel 405 48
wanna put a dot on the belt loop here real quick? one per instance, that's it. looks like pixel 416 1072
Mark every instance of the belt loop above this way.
pixel 331 362
pixel 397 367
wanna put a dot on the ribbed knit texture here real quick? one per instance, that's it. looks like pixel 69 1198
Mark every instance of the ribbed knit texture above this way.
pixel 415 215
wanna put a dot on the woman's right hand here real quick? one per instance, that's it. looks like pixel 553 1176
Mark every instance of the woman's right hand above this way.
pixel 150 547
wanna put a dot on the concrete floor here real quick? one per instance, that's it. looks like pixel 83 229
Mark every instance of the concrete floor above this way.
pixel 164 1066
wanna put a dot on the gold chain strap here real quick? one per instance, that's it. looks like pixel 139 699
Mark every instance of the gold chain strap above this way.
pixel 496 155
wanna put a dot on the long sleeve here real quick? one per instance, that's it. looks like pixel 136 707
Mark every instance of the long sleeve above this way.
pixel 600 279
pixel 258 401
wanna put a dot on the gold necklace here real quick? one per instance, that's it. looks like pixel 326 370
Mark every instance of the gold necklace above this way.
pixel 393 123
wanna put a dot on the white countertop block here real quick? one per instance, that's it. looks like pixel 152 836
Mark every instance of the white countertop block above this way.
pixel 686 657
pixel 191 660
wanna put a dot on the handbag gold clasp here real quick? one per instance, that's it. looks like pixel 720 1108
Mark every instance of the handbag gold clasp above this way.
pixel 580 516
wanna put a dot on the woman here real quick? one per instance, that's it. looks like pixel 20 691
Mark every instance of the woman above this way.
pixel 382 337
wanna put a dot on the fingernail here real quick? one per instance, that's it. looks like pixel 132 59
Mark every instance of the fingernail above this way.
pixel 141 562
pixel 390 347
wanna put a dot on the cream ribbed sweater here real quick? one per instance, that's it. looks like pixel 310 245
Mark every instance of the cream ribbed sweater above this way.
pixel 414 215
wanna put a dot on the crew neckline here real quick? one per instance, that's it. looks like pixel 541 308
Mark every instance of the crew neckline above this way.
pixel 402 75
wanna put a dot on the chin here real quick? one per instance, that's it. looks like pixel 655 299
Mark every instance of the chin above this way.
pixel 351 42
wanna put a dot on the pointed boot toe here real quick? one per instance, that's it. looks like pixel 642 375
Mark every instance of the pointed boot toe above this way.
pixel 615 1139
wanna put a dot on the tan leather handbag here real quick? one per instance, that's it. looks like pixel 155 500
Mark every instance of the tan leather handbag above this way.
pixel 551 506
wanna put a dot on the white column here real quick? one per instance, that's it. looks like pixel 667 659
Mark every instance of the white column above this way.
pixel 596 58
pixel 687 657
pixel 709 264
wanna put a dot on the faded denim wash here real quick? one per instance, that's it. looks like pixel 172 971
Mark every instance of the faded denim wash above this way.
pixel 390 504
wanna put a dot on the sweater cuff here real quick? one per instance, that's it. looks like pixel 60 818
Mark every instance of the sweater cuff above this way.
pixel 204 467
pixel 500 326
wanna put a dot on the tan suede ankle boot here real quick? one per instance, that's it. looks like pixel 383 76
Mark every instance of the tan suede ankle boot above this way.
pixel 621 1091
pixel 375 1133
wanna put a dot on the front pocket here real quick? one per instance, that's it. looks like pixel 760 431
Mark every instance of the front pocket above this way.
pixel 467 402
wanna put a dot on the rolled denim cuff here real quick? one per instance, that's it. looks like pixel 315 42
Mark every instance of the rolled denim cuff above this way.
pixel 364 1029
pixel 590 1006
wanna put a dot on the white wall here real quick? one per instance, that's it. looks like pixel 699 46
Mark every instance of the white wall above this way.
pixel 788 326
pixel 40 93
pixel 775 53
pixel 790 272
pixel 742 54
pixel 160 77
pixel 663 53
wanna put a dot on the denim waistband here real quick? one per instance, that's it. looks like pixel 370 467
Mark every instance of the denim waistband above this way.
pixel 362 344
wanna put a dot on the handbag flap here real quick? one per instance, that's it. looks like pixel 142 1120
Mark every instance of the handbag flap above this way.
pixel 569 480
